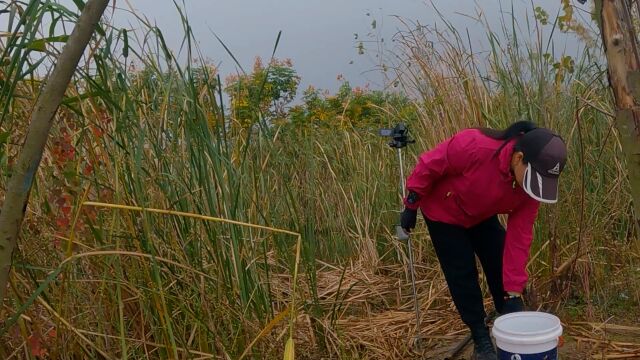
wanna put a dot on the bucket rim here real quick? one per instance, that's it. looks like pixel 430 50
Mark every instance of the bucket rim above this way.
pixel 556 328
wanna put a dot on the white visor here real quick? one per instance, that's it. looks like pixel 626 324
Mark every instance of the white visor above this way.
pixel 541 188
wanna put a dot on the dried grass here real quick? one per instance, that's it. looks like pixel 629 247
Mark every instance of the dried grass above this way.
pixel 375 319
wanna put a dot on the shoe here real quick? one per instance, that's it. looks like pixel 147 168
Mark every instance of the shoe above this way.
pixel 482 345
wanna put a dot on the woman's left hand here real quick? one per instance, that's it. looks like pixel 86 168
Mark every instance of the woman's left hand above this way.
pixel 408 219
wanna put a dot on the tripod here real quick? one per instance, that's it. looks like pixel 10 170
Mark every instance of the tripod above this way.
pixel 399 140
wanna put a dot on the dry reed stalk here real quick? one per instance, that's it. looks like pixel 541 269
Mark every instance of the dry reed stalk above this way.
pixel 378 323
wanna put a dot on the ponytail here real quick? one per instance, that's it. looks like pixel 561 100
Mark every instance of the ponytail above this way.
pixel 515 130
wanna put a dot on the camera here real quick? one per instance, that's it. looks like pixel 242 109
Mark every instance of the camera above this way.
pixel 399 136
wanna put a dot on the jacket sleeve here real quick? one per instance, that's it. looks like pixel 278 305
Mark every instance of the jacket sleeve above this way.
pixel 516 246
pixel 449 157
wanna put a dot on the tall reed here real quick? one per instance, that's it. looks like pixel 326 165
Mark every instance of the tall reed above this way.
pixel 139 127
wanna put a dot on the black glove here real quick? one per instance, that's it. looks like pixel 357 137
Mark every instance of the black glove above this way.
pixel 408 219
pixel 512 303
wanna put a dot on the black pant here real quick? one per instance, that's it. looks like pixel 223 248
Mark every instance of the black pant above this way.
pixel 456 248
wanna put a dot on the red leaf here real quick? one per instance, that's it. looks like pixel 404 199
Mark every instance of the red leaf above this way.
pixel 97 132
pixel 34 342
pixel 62 222
pixel 66 210
pixel 88 169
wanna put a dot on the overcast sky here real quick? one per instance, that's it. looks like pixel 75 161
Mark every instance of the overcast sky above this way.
pixel 318 35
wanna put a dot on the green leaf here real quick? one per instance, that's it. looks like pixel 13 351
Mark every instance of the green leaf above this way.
pixel 79 3
pixel 41 44
pixel 78 98
pixel 32 68
pixel 4 136
pixel 32 298
pixel 37 45
pixel 59 38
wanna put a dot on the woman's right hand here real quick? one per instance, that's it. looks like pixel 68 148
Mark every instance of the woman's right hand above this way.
pixel 408 219
pixel 512 303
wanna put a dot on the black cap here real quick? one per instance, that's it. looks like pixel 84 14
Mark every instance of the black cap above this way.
pixel 546 155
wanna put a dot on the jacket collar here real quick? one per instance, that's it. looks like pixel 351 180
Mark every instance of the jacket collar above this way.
pixel 504 158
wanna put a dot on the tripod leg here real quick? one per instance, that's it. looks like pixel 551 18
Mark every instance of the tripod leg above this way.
pixel 416 304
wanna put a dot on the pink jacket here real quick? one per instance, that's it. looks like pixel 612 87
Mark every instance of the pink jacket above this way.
pixel 463 182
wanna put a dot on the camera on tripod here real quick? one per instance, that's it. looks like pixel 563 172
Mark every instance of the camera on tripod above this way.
pixel 399 136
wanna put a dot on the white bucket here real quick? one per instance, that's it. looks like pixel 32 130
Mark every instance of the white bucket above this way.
pixel 527 335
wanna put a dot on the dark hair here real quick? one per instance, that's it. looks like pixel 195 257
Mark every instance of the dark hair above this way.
pixel 514 130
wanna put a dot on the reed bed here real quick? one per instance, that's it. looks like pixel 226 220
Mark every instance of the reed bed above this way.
pixel 161 227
